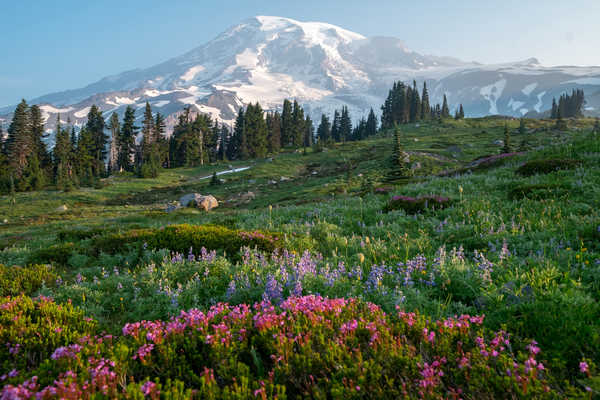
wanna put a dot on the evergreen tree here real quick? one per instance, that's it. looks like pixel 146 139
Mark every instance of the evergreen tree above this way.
pixel 425 107
pixel 286 124
pixel 62 155
pixel 400 159
pixel 148 133
pixel 113 154
pixel 309 134
pixel 445 108
pixel 324 130
pixel 95 126
pixel 346 125
pixel 256 131
pixel 214 181
pixel 274 132
pixel 19 144
pixel 461 112
pixel 223 142
pixel 160 129
pixel 371 124
pixel 507 147
pixel 415 104
pixel 37 132
pixel 297 125
pixel 335 127
pixel 85 156
pixel 238 145
pixel 127 147
pixel 554 112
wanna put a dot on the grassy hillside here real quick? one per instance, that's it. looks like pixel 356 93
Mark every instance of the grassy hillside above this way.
pixel 518 245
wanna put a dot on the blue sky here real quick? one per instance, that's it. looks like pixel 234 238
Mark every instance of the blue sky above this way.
pixel 50 46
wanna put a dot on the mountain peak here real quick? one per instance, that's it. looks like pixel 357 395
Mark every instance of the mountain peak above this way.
pixel 274 23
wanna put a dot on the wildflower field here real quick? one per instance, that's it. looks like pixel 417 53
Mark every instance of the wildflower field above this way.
pixel 470 280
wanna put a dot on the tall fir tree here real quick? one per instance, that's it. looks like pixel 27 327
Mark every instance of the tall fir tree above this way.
pixel 445 108
pixel 256 131
pixel 309 132
pixel 415 104
pixel 286 124
pixel 425 107
pixel 274 132
pixel 297 125
pixel 37 137
pixel 345 125
pixel 507 148
pixel 324 130
pixel 19 144
pixel 335 127
pixel 114 126
pixel 127 145
pixel 62 155
pixel 95 126
pixel 371 124
pixel 148 133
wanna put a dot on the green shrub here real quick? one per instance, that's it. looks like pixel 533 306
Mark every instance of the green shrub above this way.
pixel 58 253
pixel 414 205
pixel 546 166
pixel 32 329
pixel 538 191
pixel 181 238
pixel 16 280
pixel 76 235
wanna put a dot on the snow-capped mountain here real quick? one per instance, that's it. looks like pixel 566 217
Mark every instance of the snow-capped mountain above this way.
pixel 269 59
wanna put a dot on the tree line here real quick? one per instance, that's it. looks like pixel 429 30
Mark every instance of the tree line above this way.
pixel 404 104
pixel 568 106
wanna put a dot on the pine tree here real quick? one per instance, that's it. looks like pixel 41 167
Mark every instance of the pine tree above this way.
pixel 297 125
pixel 461 112
pixel 415 104
pixel 214 181
pixel 38 136
pixel 445 108
pixel 256 131
pixel 335 127
pixel 324 131
pixel 113 153
pixel 274 132
pixel 95 126
pixel 223 142
pixel 507 147
pixel 62 158
pixel 425 107
pixel 345 125
pixel 19 144
pixel 286 124
pixel 147 133
pixel 127 148
pixel 160 128
pixel 371 124
pixel 400 159
pixel 309 134
pixel 554 112
pixel 85 157
pixel 238 147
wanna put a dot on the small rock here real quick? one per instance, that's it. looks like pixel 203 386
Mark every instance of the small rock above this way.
pixel 247 197
pixel 197 200
pixel 415 166
pixel 230 166
pixel 272 182
pixel 62 208
pixel 314 173
pixel 252 181
pixel 270 159
pixel 173 207
pixel 5 221
pixel 499 142
pixel 284 179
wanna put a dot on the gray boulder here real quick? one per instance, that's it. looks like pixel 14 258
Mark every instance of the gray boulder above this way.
pixel 197 200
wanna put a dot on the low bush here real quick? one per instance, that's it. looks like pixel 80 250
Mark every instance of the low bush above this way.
pixel 182 238
pixel 414 205
pixel 32 329
pixel 538 191
pixel 16 280
pixel 58 254
pixel 546 166
pixel 308 347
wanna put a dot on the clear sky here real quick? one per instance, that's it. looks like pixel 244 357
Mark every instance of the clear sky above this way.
pixel 49 46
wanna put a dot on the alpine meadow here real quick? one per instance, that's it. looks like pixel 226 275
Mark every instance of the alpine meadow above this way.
pixel 293 210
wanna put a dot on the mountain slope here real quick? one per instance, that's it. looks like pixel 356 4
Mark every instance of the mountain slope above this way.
pixel 268 59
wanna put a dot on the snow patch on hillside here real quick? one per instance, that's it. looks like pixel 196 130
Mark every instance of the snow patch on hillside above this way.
pixel 584 81
pixel 83 112
pixel 527 90
pixel 515 104
pixel 191 73
pixel 161 103
pixel 492 93
pixel 540 103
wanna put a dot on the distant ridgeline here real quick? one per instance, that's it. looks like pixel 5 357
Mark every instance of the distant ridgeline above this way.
pixel 83 158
